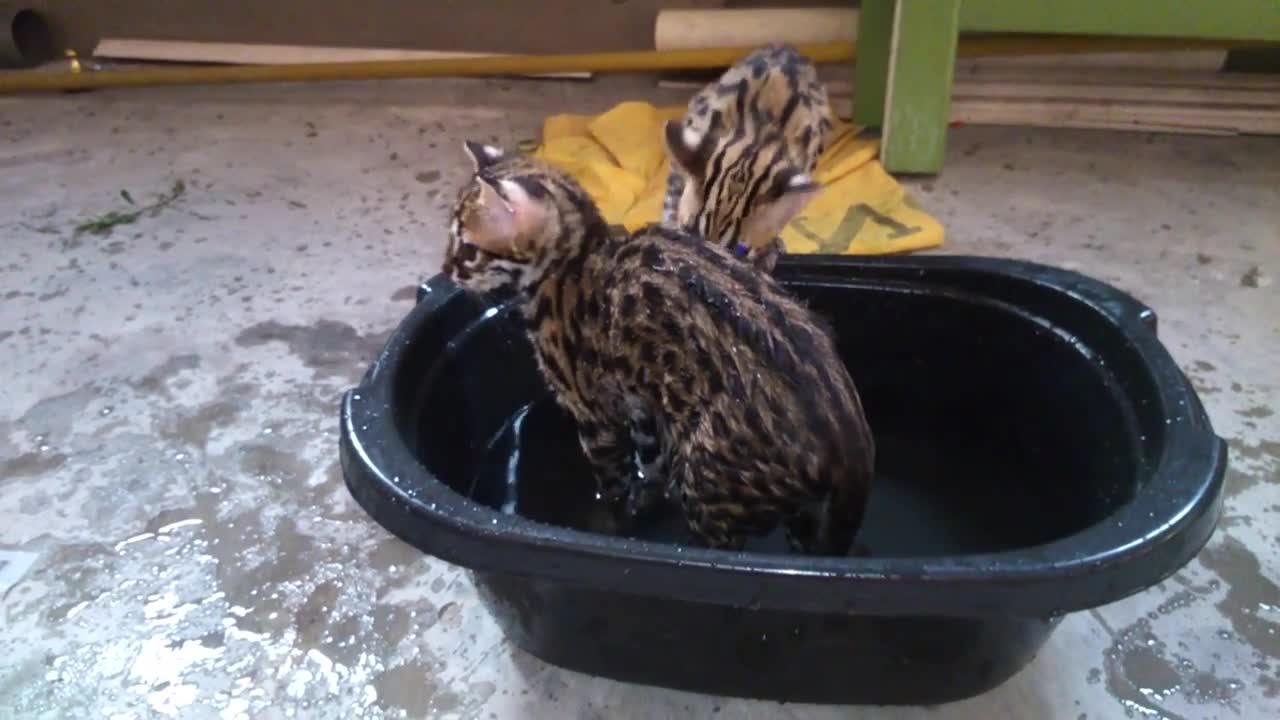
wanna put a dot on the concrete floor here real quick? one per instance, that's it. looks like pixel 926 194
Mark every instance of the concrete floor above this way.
pixel 178 539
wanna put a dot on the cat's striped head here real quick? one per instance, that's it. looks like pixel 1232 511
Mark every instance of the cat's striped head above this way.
pixel 515 216
pixel 494 221
pixel 740 189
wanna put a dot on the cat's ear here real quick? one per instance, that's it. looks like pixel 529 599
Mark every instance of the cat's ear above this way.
pixel 491 223
pixel 505 221
pixel 686 147
pixel 529 214
pixel 482 156
pixel 777 207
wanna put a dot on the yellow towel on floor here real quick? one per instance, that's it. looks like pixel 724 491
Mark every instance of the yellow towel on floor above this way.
pixel 620 159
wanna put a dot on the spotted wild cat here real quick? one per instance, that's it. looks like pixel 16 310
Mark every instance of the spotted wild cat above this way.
pixel 667 350
pixel 742 157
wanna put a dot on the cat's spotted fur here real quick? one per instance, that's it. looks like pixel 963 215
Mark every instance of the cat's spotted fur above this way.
pixel 743 156
pixel 666 348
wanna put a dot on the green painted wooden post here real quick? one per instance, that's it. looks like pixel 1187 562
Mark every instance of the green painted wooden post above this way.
pixel 907 50
pixel 922 58
pixel 871 69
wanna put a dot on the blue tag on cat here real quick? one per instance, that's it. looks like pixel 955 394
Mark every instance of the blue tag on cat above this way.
pixel 740 250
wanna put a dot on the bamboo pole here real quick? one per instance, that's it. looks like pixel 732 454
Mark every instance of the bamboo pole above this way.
pixel 635 61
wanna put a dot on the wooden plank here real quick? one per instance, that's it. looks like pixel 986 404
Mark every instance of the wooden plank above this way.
pixel 1164 94
pixel 1210 60
pixel 871 71
pixel 1207 19
pixel 1255 84
pixel 1123 76
pixel 1132 119
pixel 1132 126
pixel 917 104
pixel 1085 114
pixel 1163 108
pixel 266 54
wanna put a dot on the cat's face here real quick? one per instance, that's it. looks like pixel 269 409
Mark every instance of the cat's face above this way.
pixel 496 225
pixel 736 191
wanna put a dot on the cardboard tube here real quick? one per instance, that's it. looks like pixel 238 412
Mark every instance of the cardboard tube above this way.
pixel 695 29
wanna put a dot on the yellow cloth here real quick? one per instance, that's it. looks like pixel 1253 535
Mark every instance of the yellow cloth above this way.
pixel 620 160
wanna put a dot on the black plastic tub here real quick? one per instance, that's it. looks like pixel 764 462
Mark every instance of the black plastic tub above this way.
pixel 1039 452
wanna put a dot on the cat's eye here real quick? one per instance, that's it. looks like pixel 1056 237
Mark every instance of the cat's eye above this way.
pixel 467 252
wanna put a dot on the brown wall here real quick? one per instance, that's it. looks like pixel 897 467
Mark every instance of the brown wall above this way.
pixel 514 26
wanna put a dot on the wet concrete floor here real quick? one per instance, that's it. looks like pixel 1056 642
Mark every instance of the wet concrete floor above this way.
pixel 176 537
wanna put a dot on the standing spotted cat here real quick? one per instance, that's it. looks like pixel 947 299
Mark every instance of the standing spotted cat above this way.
pixel 743 156
pixel 667 350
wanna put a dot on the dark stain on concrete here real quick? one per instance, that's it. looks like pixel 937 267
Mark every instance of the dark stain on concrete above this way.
pixel 31 464
pixel 393 623
pixel 1178 601
pixel 1204 366
pixel 1202 386
pixel 156 381
pixel 1251 277
pixel 271 463
pixel 1204 259
pixel 1142 674
pixel 213 639
pixel 1147 670
pixel 312 618
pixel 259 555
pixel 1229 522
pixel 1206 688
pixel 1249 593
pixel 393 553
pixel 1270 685
pixel 1265 453
pixel 342 643
pixel 196 427
pixel 408 292
pixel 1257 411
pixel 55 415
pixel 413 688
pixel 333 474
pixel 427 177
pixel 1147 667
pixel 330 348
pixel 244 571
pixel 76 567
